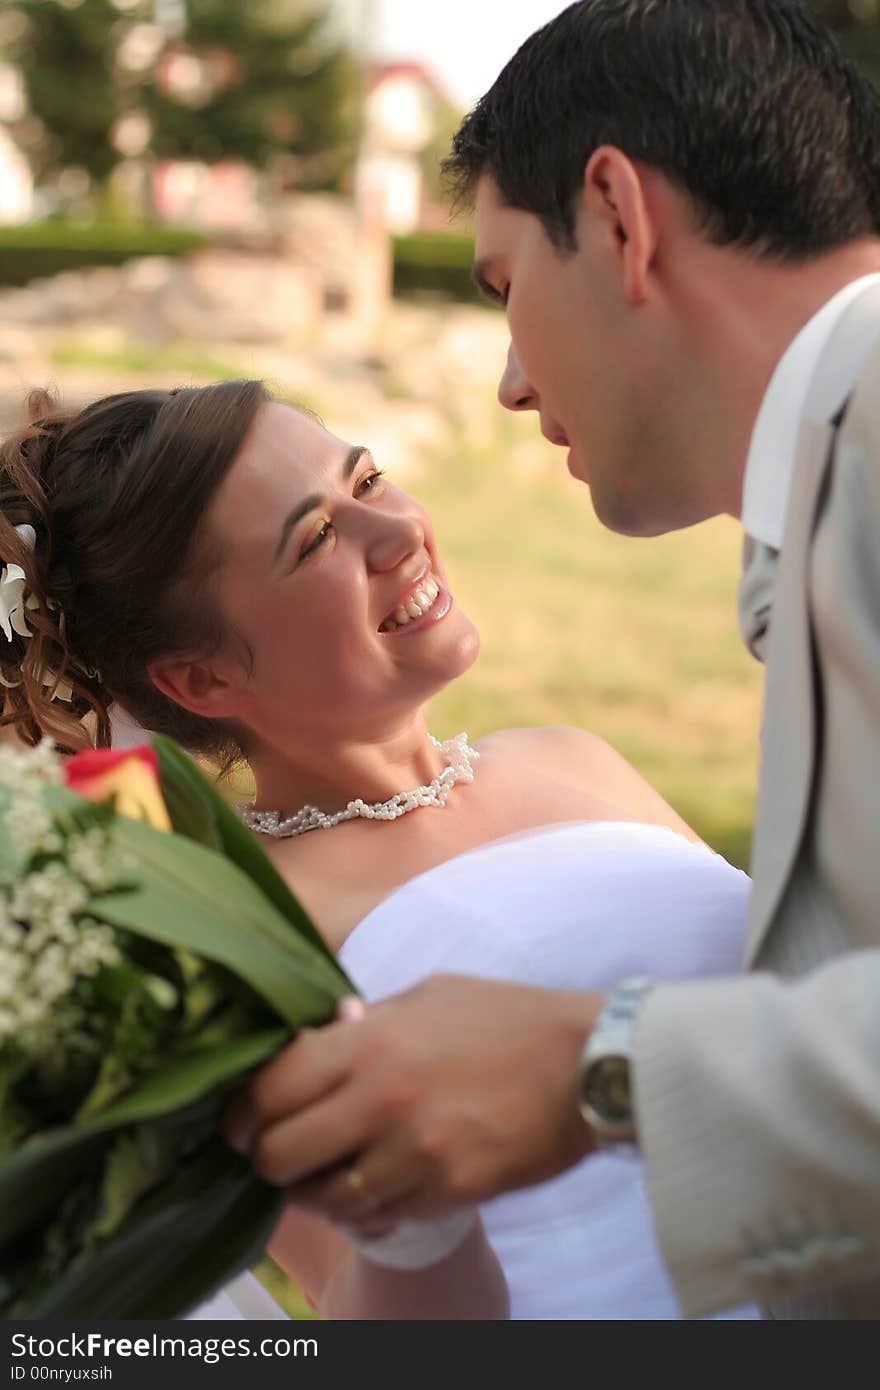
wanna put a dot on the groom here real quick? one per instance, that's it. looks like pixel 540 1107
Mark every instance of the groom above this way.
pixel 678 204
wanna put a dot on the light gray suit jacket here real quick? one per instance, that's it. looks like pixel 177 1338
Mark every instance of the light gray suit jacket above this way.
pixel 759 1097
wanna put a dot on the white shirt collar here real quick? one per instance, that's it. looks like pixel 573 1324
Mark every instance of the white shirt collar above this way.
pixel 774 439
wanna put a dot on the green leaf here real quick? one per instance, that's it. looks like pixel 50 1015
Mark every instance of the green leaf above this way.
pixel 191 1235
pixel 36 1175
pixel 139 1159
pixel 15 1118
pixel 138 1034
pixel 235 840
pixel 187 795
pixel 190 897
pixel 194 1075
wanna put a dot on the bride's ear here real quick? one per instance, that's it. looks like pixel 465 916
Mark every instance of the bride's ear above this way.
pixel 212 689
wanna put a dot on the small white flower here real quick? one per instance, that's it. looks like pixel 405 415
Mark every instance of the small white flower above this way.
pixel 48 946
pixel 14 604
pixel 90 855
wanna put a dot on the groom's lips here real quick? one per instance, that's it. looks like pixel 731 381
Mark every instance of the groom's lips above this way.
pixel 560 438
pixel 573 468
pixel 557 437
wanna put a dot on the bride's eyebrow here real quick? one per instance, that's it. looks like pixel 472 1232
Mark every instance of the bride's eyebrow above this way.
pixel 315 499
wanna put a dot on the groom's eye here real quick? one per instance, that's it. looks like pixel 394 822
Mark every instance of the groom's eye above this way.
pixel 488 289
pixel 496 296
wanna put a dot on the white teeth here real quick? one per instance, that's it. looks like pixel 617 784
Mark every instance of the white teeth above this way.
pixel 415 606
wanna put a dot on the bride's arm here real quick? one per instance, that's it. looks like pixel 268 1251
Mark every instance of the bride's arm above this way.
pixel 467 1285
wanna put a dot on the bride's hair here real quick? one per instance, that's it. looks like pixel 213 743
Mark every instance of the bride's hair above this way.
pixel 119 573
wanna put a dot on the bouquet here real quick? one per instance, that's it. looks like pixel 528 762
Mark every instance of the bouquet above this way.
pixel 150 958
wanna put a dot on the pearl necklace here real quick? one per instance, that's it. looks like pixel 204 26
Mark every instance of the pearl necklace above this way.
pixel 459 759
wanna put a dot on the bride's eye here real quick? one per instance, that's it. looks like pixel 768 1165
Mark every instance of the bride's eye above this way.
pixel 319 538
pixel 369 482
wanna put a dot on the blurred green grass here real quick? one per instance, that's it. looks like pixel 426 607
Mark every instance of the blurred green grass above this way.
pixel 143 358
pixel 284 1290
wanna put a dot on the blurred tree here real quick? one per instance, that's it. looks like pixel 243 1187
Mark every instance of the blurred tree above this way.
pixel 856 24
pixel 446 122
pixel 256 80
pixel 64 52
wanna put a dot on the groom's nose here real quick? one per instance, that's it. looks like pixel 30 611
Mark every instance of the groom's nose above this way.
pixel 515 391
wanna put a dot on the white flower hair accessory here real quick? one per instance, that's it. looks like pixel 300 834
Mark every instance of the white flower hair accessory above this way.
pixel 14 604
pixel 12 597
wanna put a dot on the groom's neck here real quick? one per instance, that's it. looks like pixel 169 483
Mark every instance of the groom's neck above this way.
pixel 744 311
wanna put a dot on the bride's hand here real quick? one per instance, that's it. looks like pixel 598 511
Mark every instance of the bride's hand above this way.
pixel 437 1098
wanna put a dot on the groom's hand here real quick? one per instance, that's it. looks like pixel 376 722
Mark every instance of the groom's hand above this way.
pixel 437 1098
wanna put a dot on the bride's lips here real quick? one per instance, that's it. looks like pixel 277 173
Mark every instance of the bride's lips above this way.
pixel 435 614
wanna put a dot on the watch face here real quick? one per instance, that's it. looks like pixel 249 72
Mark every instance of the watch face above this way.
pixel 606 1090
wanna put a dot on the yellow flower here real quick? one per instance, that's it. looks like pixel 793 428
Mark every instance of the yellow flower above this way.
pixel 131 776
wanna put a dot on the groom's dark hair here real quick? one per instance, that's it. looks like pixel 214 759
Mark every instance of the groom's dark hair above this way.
pixel 748 105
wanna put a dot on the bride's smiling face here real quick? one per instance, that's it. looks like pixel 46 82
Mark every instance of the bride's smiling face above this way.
pixel 331 575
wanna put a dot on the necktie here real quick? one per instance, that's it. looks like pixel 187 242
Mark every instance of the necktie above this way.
pixel 755 597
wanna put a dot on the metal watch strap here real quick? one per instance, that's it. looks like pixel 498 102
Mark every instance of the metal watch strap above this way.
pixel 604 1074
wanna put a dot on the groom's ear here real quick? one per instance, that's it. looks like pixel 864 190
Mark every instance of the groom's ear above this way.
pixel 211 688
pixel 614 197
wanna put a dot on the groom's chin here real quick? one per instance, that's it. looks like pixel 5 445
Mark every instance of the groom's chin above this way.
pixel 621 510
pixel 642 523
pixel 576 468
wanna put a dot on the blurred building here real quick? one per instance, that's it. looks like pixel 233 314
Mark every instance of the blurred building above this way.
pixel 224 195
pixel 405 111
pixel 16 183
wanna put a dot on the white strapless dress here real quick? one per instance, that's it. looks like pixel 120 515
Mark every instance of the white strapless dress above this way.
pixel 573 906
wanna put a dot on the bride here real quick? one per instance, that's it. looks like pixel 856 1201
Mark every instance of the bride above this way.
pixel 214 565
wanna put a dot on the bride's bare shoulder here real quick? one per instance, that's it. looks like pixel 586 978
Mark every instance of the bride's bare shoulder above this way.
pixel 559 751
pixel 585 760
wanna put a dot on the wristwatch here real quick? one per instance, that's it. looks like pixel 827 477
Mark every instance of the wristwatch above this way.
pixel 604 1084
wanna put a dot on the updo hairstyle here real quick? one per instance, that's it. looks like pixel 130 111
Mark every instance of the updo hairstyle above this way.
pixel 121 568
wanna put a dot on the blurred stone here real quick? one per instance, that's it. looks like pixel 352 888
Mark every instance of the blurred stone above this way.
pixel 16 343
pixel 320 233
pixel 228 296
pixel 146 274
pixel 420 388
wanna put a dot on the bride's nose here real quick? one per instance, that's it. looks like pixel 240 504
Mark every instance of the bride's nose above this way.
pixel 393 540
pixel 515 391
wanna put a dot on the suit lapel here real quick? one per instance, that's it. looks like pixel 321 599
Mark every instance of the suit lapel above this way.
pixel 789 733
